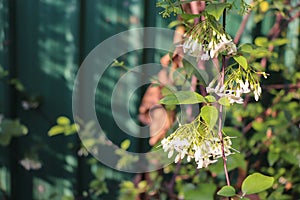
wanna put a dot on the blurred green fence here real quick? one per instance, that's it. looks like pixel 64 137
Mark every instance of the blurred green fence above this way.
pixel 42 44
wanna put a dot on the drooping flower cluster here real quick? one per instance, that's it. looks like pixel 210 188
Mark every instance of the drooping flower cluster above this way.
pixel 196 141
pixel 238 82
pixel 207 39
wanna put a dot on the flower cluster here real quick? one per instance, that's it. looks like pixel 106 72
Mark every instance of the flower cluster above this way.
pixel 238 82
pixel 207 40
pixel 196 141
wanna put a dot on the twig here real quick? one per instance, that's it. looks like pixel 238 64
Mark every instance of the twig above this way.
pixel 241 29
pixel 221 110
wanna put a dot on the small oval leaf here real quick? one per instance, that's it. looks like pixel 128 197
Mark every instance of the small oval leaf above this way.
pixel 256 183
pixel 55 130
pixel 242 61
pixel 210 99
pixel 261 41
pixel 210 115
pixel 63 121
pixel 183 97
pixel 224 101
pixel 216 9
pixel 125 144
pixel 226 191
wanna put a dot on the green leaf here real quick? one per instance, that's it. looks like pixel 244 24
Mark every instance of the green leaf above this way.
pixel 226 191
pixel 125 144
pixel 18 85
pixel 256 183
pixel 242 61
pixel 217 9
pixel 167 90
pixel 13 128
pixel 71 129
pixel 224 101
pixel 63 121
pixel 142 185
pixel 272 157
pixel 233 161
pixel 210 99
pixel 174 23
pixel 210 115
pixel 5 140
pixel 183 97
pixel 279 41
pixel 56 130
pixel 203 191
pixel 187 17
pixel 261 41
pixel 247 48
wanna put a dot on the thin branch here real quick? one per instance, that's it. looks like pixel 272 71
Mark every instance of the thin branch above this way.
pixel 241 29
pixel 221 110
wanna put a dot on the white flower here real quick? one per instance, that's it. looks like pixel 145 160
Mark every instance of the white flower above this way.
pixel 235 99
pixel 231 48
pixel 205 56
pixel 204 147
pixel 224 38
pixel 257 92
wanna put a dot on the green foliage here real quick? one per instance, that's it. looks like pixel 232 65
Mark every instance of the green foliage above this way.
pixel 252 184
pixel 9 129
pixel 209 115
pixel 63 126
pixel 202 191
pixel 242 61
pixel 3 73
pixel 217 9
pixel 169 7
pixel 226 191
pixel 182 97
pixel 98 185
pixel 126 160
pixel 256 183
pixel 224 101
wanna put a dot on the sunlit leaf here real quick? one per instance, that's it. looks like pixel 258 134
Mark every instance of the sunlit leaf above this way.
pixel 125 144
pixel 63 121
pixel 142 185
pixel 210 99
pixel 224 101
pixel 187 16
pixel 226 191
pixel 247 48
pixel 279 41
pixel 264 6
pixel 210 115
pixel 256 183
pixel 242 61
pixel 183 97
pixel 174 23
pixel 56 130
pixel 261 41
pixel 217 9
